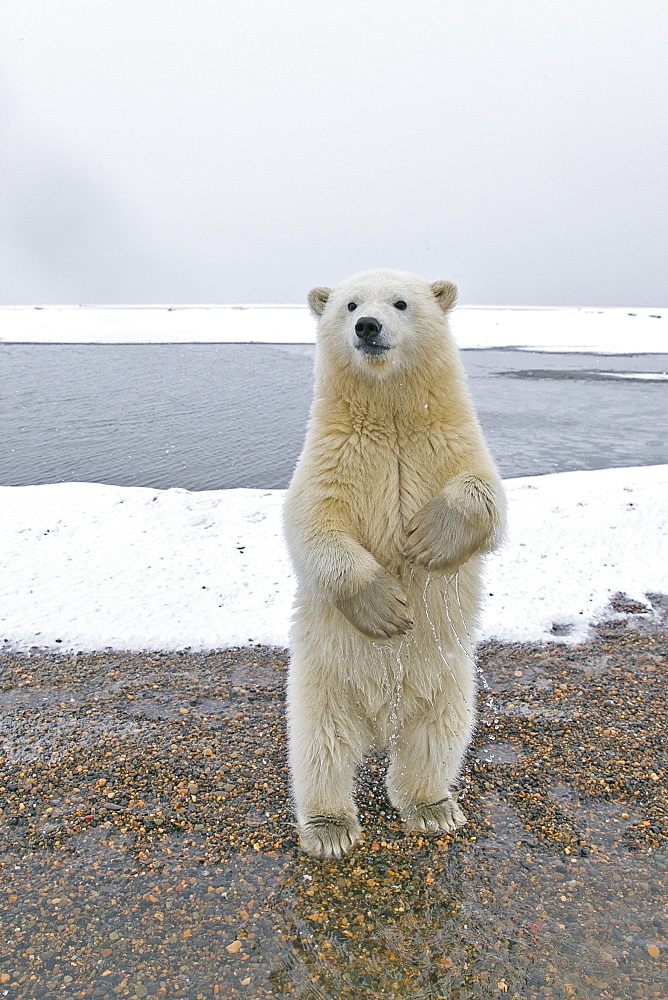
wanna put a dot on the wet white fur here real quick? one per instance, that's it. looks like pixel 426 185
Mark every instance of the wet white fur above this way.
pixel 386 435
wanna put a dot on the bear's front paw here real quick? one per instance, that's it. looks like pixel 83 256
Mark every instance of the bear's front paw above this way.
pixel 380 610
pixel 329 836
pixel 441 538
pixel 435 817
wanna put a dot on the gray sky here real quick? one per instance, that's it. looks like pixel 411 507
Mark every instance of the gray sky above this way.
pixel 218 151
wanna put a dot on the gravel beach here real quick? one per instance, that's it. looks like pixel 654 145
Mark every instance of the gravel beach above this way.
pixel 147 846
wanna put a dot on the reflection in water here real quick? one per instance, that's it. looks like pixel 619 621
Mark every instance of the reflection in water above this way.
pixel 496 915
pixel 493 914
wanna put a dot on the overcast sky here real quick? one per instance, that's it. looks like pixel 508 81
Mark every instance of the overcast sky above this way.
pixel 220 151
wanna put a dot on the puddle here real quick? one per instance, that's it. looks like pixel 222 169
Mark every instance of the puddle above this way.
pixel 401 918
pixel 498 753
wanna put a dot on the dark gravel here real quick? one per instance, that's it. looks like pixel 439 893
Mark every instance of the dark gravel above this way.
pixel 147 847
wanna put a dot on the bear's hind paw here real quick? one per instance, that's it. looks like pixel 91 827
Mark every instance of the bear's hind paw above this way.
pixel 329 836
pixel 436 817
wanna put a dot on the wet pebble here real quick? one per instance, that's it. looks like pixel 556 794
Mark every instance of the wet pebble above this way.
pixel 146 851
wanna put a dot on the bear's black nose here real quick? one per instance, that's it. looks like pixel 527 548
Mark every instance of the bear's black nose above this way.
pixel 367 328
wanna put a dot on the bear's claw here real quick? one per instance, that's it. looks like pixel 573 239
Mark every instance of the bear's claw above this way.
pixel 436 817
pixel 441 538
pixel 329 836
pixel 380 610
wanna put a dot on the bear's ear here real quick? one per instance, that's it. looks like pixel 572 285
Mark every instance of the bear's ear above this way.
pixel 317 299
pixel 446 294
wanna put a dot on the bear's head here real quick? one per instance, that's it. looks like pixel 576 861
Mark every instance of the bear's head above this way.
pixel 379 322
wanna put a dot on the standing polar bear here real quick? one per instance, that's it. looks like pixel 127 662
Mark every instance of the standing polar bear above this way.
pixel 393 500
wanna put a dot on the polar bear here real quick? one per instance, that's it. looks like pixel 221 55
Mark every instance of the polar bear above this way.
pixel 393 502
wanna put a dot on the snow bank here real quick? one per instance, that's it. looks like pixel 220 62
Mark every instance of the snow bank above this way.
pixel 85 566
pixel 603 331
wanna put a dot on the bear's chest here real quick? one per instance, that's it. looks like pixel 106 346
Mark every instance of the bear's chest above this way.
pixel 388 474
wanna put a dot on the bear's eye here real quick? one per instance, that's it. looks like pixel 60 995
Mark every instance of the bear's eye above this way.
pixel 399 304
pixel 352 306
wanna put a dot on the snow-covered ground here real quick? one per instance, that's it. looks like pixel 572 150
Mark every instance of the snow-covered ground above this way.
pixel 602 331
pixel 85 566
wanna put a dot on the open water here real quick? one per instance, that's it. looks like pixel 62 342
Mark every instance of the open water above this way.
pixel 214 416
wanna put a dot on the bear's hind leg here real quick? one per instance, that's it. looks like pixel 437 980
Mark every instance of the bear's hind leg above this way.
pixel 329 836
pixel 325 748
pixel 424 764
pixel 422 771
pixel 435 817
